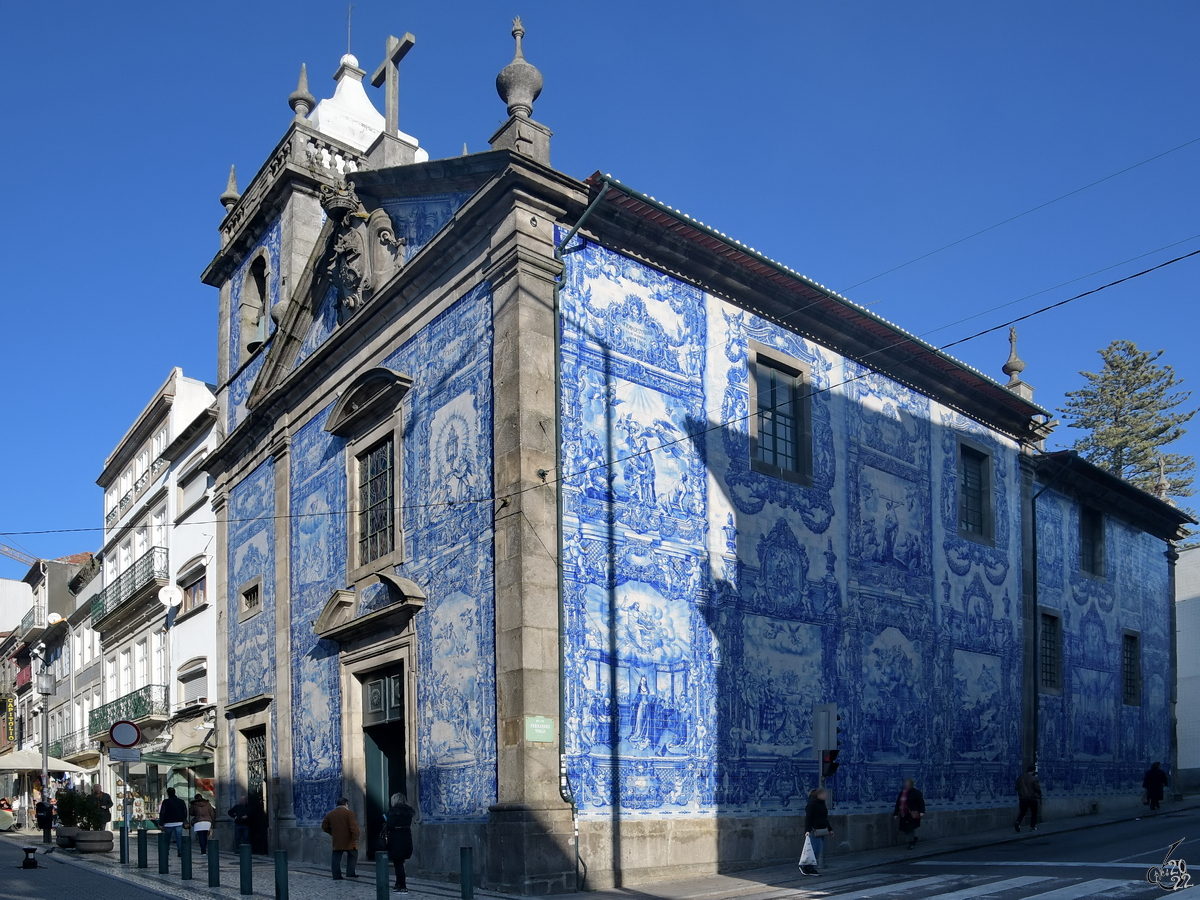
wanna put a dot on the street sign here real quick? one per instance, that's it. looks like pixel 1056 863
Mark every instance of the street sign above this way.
pixel 124 754
pixel 124 733
pixel 539 729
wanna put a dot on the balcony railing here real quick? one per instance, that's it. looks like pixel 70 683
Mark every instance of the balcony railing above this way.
pixel 146 570
pixel 145 703
pixel 141 482
pixel 55 749
pixel 34 622
pixel 158 465
pixel 110 519
pixel 77 743
pixel 126 500
pixel 24 676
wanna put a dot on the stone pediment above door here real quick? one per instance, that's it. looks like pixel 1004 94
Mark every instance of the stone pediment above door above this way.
pixel 381 607
pixel 356 253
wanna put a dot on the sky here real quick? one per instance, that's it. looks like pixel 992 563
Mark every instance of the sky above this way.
pixel 842 139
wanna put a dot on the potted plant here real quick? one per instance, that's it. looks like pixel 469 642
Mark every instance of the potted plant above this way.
pixel 92 836
pixel 68 817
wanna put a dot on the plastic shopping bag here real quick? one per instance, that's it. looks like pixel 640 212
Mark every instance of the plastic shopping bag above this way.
pixel 807 857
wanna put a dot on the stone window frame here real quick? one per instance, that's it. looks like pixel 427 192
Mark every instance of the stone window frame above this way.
pixel 245 612
pixel 391 428
pixel 1136 636
pixel 1055 689
pixel 804 439
pixel 1099 554
pixel 988 538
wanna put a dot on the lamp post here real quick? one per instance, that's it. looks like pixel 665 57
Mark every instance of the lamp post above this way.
pixel 45 687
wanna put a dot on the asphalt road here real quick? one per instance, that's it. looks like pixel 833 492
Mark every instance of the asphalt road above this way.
pixel 54 880
pixel 1109 861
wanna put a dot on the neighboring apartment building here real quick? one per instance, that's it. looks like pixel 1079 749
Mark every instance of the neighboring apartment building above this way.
pixel 155 644
pixel 1186 777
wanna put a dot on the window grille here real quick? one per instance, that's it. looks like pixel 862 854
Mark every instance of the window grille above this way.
pixel 973 503
pixel 1051 656
pixel 376 507
pixel 1131 670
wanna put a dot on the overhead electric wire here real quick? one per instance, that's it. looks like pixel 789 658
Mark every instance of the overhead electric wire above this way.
pixel 503 498
pixel 1032 209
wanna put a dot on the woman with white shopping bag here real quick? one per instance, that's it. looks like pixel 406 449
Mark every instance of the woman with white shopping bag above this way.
pixel 816 829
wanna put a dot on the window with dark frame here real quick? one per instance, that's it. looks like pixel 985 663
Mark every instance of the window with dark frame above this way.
pixel 1091 541
pixel 1131 670
pixel 1051 652
pixel 251 598
pixel 376 506
pixel 194 594
pixel 973 491
pixel 780 416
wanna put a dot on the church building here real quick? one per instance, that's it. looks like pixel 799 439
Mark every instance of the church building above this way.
pixel 560 512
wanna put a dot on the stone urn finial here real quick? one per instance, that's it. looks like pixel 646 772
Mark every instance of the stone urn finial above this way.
pixel 519 83
pixel 301 101
pixel 231 196
pixel 1015 365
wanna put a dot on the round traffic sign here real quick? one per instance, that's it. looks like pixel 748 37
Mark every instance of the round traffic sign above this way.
pixel 124 734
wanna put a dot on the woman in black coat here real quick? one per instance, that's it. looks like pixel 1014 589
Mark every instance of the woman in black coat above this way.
pixel 816 825
pixel 398 825
pixel 910 807
pixel 1155 783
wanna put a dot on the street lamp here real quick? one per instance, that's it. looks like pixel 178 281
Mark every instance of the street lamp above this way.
pixel 45 687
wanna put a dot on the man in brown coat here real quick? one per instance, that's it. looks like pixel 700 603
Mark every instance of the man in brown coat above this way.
pixel 341 825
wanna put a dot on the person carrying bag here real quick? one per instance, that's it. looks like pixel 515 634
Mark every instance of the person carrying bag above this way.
pixel 816 829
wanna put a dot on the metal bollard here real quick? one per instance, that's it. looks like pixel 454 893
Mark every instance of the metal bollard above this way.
pixel 164 851
pixel 214 863
pixel 247 872
pixel 466 872
pixel 381 875
pixel 123 837
pixel 281 876
pixel 143 862
pixel 185 859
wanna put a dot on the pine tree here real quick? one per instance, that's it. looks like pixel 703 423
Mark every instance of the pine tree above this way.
pixel 1130 411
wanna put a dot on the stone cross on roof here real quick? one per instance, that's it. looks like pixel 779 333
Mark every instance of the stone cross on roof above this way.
pixel 388 74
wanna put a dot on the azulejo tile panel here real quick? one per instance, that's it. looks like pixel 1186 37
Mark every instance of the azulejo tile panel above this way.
pixel 1090 740
pixel 709 606
pixel 447 464
pixel 318 568
pixel 252 555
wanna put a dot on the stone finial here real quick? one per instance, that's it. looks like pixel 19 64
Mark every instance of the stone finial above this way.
pixel 519 83
pixel 1015 365
pixel 301 101
pixel 1162 487
pixel 231 196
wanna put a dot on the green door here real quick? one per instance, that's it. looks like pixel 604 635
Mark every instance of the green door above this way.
pixel 383 743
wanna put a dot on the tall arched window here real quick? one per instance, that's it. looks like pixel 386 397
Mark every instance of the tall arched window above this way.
pixel 254 307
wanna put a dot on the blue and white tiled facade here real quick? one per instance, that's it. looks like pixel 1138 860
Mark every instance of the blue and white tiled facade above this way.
pixel 242 382
pixel 709 606
pixel 1093 743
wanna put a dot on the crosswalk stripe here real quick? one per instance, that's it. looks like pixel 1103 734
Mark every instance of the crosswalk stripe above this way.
pixel 983 890
pixel 885 889
pixel 1085 889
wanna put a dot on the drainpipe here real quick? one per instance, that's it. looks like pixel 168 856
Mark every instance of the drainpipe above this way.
pixel 564 784
pixel 1036 597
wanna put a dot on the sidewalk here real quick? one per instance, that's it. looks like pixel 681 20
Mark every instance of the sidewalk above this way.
pixel 306 882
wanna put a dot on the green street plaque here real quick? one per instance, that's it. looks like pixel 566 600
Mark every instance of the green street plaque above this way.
pixel 539 729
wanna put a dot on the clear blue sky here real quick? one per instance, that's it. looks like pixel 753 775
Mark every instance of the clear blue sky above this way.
pixel 839 138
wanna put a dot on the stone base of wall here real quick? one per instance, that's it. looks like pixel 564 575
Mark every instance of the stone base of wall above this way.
pixel 1185 781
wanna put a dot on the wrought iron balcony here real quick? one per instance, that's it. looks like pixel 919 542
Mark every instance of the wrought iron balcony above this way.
pixel 145 703
pixel 158 465
pixel 110 519
pixel 55 749
pixel 34 622
pixel 141 482
pixel 24 675
pixel 76 744
pixel 147 570
pixel 126 501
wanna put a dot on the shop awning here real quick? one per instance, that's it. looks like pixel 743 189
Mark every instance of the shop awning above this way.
pixel 174 760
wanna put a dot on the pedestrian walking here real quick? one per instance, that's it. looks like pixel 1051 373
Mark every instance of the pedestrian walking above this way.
pixel 816 826
pixel 204 817
pixel 172 816
pixel 105 802
pixel 1154 784
pixel 240 813
pixel 398 822
pixel 341 825
pixel 910 807
pixel 1029 798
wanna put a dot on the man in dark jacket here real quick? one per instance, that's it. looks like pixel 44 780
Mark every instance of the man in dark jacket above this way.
pixel 172 816
pixel 910 806
pixel 240 812
pixel 1029 797
pixel 398 823
pixel 1155 784
pixel 342 826
pixel 816 825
